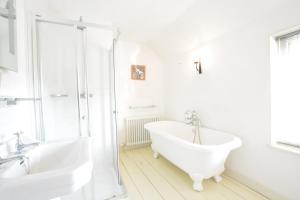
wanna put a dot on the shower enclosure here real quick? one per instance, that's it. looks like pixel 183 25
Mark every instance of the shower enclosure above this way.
pixel 73 79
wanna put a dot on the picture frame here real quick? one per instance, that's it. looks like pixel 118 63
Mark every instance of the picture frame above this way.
pixel 138 72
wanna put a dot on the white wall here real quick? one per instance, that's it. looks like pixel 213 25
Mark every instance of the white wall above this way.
pixel 135 92
pixel 233 94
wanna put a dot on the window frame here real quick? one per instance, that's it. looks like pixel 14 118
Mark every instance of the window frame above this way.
pixel 274 58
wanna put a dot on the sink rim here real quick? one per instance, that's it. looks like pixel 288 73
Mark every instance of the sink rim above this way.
pixel 29 153
pixel 64 180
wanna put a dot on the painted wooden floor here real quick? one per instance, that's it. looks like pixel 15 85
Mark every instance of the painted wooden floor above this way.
pixel 147 178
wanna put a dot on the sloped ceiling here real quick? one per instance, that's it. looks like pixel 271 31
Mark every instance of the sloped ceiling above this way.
pixel 166 25
pixel 207 20
pixel 138 20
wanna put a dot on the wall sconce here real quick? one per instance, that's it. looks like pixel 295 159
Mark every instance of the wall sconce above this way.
pixel 198 66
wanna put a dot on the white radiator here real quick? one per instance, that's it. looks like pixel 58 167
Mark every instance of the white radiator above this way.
pixel 136 134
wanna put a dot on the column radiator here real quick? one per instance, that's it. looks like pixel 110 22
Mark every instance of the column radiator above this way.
pixel 136 134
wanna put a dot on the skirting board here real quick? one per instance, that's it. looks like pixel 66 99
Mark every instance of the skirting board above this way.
pixel 255 185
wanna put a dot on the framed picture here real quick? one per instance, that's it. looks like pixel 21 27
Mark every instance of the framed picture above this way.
pixel 138 72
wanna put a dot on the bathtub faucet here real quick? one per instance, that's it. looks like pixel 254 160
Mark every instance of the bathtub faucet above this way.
pixel 192 118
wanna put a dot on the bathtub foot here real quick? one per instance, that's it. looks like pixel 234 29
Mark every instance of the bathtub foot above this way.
pixel 156 155
pixel 198 186
pixel 197 182
pixel 217 179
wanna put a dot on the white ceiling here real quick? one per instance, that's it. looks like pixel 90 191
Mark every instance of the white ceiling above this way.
pixel 166 25
pixel 138 20
pixel 206 20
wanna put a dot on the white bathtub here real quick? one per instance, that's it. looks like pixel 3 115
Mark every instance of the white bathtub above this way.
pixel 174 141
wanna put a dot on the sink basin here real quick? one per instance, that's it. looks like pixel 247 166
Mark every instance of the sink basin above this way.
pixel 55 169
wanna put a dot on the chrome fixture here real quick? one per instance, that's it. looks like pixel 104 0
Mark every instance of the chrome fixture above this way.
pixel 22 158
pixel 14 100
pixel 198 66
pixel 142 107
pixel 20 145
pixel 19 153
pixel 192 118
pixel 84 95
pixel 58 95
pixel 81 27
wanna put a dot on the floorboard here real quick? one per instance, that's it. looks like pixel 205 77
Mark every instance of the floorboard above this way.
pixel 147 178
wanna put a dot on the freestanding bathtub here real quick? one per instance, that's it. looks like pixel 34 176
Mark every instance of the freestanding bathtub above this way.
pixel 174 141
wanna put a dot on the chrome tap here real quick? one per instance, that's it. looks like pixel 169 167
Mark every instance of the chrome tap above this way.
pixel 20 157
pixel 191 118
pixel 188 117
pixel 20 145
pixel 18 154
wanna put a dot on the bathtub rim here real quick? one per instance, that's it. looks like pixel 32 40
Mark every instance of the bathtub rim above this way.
pixel 234 143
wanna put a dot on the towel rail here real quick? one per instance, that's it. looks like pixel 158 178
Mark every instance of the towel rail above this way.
pixel 59 95
pixel 14 100
pixel 142 107
pixel 18 99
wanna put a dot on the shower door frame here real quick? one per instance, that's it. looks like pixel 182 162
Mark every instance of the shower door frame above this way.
pixel 37 81
pixel 39 74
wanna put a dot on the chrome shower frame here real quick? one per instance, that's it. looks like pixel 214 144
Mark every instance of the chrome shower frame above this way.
pixel 36 74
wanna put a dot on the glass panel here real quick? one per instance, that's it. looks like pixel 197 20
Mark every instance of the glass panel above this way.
pixel 78 99
pixel 58 70
pixel 98 73
pixel 100 102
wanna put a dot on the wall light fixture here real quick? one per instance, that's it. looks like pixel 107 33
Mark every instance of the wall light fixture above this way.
pixel 198 66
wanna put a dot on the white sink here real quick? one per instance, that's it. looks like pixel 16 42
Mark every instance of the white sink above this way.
pixel 56 169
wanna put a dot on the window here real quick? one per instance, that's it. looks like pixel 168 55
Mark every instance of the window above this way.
pixel 285 90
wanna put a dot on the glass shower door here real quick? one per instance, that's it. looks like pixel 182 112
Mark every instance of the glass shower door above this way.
pixel 75 66
pixel 98 45
pixel 58 71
